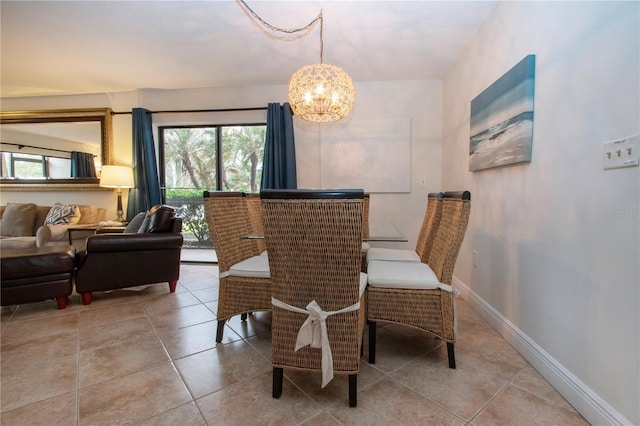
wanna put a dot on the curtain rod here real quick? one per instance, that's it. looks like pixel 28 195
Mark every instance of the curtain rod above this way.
pixel 195 110
pixel 21 145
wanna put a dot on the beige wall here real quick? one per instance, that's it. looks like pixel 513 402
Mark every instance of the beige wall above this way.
pixel 558 239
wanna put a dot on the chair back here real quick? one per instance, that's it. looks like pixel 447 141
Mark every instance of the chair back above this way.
pixel 254 212
pixel 314 240
pixel 430 224
pixel 456 207
pixel 228 221
pixel 365 216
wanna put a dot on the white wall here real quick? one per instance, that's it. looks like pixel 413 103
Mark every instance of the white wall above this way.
pixel 558 239
pixel 419 102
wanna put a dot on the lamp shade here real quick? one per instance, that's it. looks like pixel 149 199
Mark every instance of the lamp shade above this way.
pixel 117 177
pixel 321 93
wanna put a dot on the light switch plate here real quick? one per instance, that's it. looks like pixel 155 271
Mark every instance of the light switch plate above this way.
pixel 621 153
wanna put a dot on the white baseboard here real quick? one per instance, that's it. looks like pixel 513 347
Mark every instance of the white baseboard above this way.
pixel 591 406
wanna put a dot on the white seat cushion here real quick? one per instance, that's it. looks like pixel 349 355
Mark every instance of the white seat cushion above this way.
pixel 365 247
pixel 363 283
pixel 410 275
pixel 389 254
pixel 253 267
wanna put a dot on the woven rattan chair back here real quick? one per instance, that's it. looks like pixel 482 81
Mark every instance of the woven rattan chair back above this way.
pixel 456 207
pixel 314 244
pixel 254 211
pixel 228 219
pixel 430 224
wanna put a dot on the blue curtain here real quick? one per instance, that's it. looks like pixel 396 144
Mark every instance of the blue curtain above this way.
pixel 146 193
pixel 279 164
pixel 82 165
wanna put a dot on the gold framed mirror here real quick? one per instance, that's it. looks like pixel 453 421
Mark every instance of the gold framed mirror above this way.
pixel 46 138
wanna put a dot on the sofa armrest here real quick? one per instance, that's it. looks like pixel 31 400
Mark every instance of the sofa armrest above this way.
pixel 43 236
pixel 107 243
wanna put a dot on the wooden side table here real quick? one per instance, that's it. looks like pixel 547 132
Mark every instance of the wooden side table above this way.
pixel 97 229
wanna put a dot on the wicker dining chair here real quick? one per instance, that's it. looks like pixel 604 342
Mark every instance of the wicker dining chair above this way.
pixel 245 286
pixel 314 242
pixel 426 236
pixel 365 231
pixel 254 210
pixel 419 294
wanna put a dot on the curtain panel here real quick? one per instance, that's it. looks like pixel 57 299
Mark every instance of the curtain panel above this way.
pixel 146 192
pixel 82 165
pixel 279 163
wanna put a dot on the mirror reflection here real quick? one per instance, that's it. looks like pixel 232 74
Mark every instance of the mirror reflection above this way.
pixel 54 146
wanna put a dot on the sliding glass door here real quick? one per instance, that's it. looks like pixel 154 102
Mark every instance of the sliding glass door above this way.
pixel 207 158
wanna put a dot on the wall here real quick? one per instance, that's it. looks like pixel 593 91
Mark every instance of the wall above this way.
pixel 557 240
pixel 419 102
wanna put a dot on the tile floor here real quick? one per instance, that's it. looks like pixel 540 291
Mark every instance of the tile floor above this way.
pixel 150 358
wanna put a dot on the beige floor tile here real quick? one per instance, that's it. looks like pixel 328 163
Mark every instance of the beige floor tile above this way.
pixel 395 350
pixel 34 346
pixel 256 323
pixel 389 403
pixel 60 411
pixel 169 302
pixel 322 419
pixel 193 339
pixel 182 317
pixel 250 403
pixel 97 336
pixel 515 406
pixel 186 415
pixel 337 391
pixel 206 295
pixel 24 384
pixel 132 398
pixel 262 344
pixel 528 379
pixel 20 331
pixel 210 371
pixel 103 316
pixel 463 390
pixel 117 360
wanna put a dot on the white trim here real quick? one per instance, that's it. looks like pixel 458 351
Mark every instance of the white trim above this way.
pixel 589 404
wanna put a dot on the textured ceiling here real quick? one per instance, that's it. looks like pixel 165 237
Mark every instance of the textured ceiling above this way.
pixel 73 47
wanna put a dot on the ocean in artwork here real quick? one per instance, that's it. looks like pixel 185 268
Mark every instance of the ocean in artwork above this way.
pixel 502 120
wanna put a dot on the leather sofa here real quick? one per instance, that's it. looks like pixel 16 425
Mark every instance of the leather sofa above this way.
pixel 33 274
pixel 147 255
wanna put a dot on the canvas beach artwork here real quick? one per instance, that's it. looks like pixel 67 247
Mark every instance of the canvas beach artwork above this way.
pixel 502 119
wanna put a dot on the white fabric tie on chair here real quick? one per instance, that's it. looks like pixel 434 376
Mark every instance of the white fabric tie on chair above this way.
pixel 313 331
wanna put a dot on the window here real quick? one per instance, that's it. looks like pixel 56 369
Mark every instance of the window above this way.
pixel 207 158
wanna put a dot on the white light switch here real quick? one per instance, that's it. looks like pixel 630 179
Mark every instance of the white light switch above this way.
pixel 621 153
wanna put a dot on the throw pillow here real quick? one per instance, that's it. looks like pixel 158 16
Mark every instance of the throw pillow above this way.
pixel 18 220
pixel 62 214
pixel 134 224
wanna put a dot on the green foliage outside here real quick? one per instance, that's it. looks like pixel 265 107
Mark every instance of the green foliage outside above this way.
pixel 191 168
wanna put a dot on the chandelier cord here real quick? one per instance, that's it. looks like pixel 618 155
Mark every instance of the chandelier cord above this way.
pixel 267 25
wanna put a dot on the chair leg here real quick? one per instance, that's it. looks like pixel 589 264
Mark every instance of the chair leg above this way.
pixel 172 286
pixel 372 342
pixel 86 298
pixel 451 354
pixel 62 302
pixel 353 390
pixel 220 330
pixel 277 382
pixel 243 317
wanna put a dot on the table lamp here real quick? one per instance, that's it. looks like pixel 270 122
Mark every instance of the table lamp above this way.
pixel 117 177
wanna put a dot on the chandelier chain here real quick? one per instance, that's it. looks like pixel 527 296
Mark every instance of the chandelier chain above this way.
pixel 267 25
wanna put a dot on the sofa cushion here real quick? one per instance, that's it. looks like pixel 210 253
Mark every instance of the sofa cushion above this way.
pixel 18 220
pixel 88 214
pixel 134 225
pixel 62 214
pixel 160 219
pixel 17 242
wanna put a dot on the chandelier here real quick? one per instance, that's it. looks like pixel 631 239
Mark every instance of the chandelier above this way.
pixel 321 93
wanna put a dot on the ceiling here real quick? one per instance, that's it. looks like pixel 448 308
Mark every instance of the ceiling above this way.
pixel 76 47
